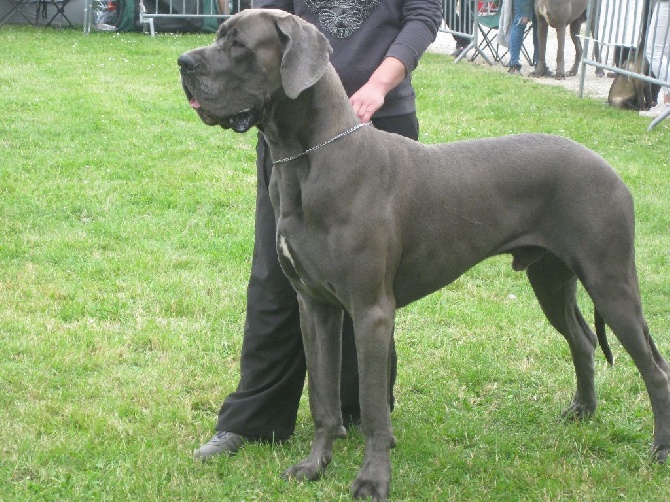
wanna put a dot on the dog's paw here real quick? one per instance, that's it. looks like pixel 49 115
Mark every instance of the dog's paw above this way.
pixel 369 490
pixel 577 412
pixel 374 479
pixel 541 72
pixel 306 470
pixel 660 454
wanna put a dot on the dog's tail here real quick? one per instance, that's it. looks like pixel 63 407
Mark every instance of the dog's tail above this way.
pixel 601 333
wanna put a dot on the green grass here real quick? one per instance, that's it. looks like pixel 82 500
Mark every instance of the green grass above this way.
pixel 126 230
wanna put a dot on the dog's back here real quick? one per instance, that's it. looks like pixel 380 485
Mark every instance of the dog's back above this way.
pixel 476 188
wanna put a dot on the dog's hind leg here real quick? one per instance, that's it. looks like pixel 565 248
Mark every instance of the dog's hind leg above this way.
pixel 555 287
pixel 321 326
pixel 575 28
pixel 617 298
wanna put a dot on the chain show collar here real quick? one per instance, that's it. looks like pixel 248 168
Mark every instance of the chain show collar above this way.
pixel 320 145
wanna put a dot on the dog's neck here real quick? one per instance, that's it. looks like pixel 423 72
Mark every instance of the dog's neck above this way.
pixel 290 130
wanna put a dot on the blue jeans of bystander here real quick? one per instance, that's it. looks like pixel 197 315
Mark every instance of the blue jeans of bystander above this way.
pixel 516 36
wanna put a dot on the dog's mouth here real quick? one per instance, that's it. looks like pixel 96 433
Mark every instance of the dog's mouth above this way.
pixel 239 122
pixel 244 120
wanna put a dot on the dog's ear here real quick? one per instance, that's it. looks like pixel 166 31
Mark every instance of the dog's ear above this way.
pixel 306 54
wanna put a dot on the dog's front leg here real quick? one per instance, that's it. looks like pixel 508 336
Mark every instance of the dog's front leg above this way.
pixel 560 52
pixel 373 329
pixel 543 33
pixel 321 326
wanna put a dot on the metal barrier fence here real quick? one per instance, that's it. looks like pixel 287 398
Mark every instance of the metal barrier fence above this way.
pixel 462 19
pixel 176 9
pixel 621 34
pixel 194 9
pixel 457 17
pixel 474 24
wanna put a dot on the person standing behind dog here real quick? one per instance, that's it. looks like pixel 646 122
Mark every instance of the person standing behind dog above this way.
pixel 458 17
pixel 376 45
pixel 657 52
pixel 514 18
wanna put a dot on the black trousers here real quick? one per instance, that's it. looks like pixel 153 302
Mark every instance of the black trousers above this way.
pixel 272 366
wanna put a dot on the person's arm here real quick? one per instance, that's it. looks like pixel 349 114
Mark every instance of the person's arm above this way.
pixel 421 20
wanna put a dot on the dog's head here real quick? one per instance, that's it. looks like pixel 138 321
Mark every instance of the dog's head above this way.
pixel 257 55
pixel 628 92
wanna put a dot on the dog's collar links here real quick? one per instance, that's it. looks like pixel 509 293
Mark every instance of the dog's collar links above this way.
pixel 327 142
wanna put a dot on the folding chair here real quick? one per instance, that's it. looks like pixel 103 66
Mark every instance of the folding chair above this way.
pixel 17 8
pixel 524 49
pixel 487 21
pixel 60 11
pixel 488 24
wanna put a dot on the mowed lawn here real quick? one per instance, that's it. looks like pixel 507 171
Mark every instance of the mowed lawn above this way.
pixel 126 232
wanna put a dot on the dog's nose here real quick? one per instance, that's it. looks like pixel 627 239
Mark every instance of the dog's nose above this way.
pixel 187 62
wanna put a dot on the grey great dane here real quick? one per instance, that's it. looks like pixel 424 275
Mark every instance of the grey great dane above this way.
pixel 559 14
pixel 369 221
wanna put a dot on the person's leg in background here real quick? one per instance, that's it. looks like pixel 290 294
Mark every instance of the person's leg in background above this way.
pixel 272 365
pixel 657 51
pixel 457 17
pixel 516 37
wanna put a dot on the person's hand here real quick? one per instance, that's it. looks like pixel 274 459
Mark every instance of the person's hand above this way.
pixel 370 98
pixel 367 100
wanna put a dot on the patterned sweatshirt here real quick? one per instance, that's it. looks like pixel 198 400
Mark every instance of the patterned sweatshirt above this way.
pixel 364 32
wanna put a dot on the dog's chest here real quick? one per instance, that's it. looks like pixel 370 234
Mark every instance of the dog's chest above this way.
pixel 303 248
pixel 287 259
pixel 301 266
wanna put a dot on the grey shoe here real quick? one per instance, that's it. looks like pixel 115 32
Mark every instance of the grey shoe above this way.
pixel 221 442
pixel 457 51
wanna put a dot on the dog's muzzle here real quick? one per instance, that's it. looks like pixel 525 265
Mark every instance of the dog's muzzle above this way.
pixel 239 122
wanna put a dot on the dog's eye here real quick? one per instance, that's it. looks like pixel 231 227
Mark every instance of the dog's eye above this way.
pixel 239 45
